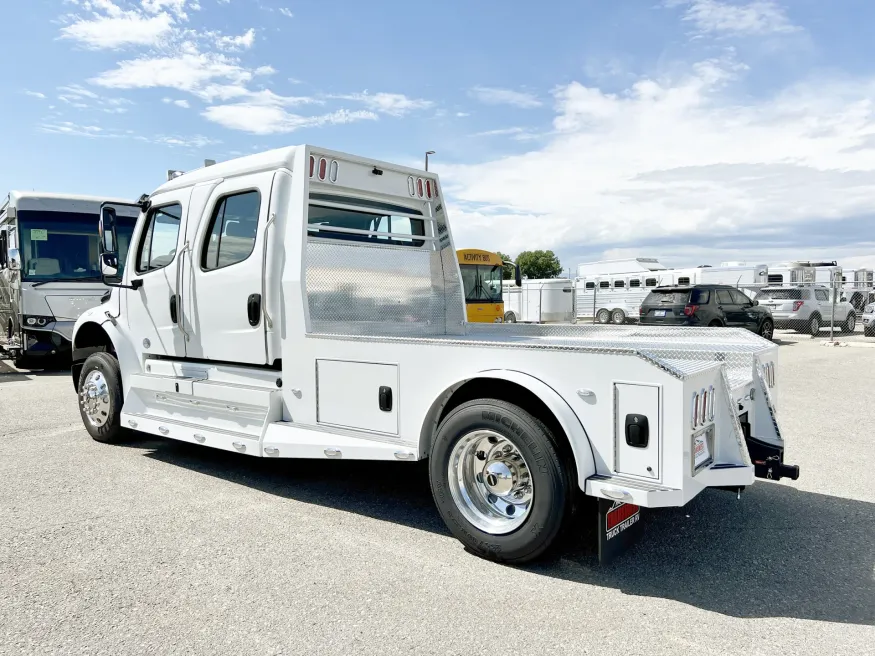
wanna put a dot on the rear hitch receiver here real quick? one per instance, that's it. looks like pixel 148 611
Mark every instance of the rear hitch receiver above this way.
pixel 774 469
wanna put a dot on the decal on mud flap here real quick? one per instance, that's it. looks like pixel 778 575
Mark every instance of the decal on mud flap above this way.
pixel 619 527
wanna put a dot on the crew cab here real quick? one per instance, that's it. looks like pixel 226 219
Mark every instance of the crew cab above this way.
pixel 307 303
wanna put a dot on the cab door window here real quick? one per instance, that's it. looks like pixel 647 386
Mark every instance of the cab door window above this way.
pixel 157 246
pixel 232 231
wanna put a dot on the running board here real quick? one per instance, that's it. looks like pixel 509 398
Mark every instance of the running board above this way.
pixel 284 439
pixel 630 490
pixel 194 433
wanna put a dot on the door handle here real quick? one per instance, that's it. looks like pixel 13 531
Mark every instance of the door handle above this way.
pixel 253 309
pixel 173 308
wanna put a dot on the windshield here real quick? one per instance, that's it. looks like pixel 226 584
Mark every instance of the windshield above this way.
pixel 64 245
pixel 482 282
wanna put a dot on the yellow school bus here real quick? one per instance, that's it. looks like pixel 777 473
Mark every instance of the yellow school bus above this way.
pixel 481 279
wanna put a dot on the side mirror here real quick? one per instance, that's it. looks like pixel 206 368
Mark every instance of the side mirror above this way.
pixel 517 275
pixel 14 259
pixel 756 302
pixel 106 230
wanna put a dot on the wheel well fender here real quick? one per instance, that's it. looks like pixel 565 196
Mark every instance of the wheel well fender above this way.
pixel 527 392
pixel 90 337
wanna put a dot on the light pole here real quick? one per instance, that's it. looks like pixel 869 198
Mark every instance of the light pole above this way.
pixel 430 152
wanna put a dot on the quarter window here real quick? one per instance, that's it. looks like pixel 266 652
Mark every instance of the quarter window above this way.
pixel 232 231
pixel 158 244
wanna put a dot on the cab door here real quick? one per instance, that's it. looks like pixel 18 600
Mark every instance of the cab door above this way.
pixel 223 280
pixel 155 260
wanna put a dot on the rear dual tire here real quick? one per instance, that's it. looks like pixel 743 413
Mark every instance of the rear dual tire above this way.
pixel 500 481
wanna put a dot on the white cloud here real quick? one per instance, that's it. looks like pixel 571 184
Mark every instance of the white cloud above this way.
pixel 672 162
pixel 495 96
pixel 179 103
pixel 286 12
pixel 79 97
pixel 266 118
pixel 35 94
pixel 394 104
pixel 242 42
pixel 116 28
pixel 501 132
pixel 66 127
pixel 187 72
pixel 759 17
pixel 462 114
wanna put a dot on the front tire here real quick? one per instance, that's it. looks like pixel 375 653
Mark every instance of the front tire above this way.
pixel 100 398
pixel 499 481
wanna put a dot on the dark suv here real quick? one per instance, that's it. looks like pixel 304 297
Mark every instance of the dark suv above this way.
pixel 706 305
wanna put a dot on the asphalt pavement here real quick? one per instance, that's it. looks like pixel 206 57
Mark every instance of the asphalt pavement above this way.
pixel 162 547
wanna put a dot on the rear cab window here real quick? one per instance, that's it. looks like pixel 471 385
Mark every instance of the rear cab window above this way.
pixel 369 222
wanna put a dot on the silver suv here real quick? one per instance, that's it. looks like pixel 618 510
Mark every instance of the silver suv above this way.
pixel 806 309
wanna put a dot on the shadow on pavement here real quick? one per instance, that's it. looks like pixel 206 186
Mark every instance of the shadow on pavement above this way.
pixel 8 373
pixel 779 552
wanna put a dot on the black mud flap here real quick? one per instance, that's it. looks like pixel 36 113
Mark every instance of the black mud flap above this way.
pixel 619 528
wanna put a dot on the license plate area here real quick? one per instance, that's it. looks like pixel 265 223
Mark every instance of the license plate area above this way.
pixel 659 313
pixel 702 449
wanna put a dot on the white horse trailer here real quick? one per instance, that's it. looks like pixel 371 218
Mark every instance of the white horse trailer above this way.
pixel 617 297
pixel 549 300
pixel 242 329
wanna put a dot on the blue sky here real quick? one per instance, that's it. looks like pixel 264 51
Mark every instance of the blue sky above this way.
pixel 692 130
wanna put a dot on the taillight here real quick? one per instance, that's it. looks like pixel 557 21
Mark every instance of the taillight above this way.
pixel 419 187
pixel 642 311
pixel 428 189
pixel 690 310
pixel 323 168
pixel 797 305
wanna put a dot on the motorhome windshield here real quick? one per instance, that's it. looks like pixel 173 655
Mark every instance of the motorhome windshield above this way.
pixel 64 245
pixel 482 282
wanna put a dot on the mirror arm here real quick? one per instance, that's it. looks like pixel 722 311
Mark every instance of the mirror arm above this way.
pixel 136 283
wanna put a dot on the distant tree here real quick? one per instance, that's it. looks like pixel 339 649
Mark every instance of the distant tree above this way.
pixel 507 273
pixel 539 264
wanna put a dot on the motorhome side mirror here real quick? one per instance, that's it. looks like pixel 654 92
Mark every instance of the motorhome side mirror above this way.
pixel 517 275
pixel 14 259
pixel 109 265
pixel 106 229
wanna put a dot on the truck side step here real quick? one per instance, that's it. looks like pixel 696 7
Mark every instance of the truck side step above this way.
pixel 284 439
pixel 192 432
pixel 634 491
pixel 228 407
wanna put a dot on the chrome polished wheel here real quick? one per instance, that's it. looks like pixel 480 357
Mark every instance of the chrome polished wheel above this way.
pixel 94 398
pixel 490 482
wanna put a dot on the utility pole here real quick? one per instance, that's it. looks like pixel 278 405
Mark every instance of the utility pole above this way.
pixel 430 152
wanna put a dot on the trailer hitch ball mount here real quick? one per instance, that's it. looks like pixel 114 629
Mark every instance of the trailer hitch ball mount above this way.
pixel 772 468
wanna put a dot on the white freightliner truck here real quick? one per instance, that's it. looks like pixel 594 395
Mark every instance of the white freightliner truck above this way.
pixel 304 303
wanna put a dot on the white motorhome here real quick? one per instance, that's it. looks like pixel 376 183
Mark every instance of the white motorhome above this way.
pixel 49 269
pixel 306 303
pixel 803 272
pixel 611 295
pixel 549 300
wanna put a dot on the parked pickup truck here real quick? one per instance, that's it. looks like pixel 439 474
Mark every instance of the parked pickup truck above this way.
pixel 305 303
